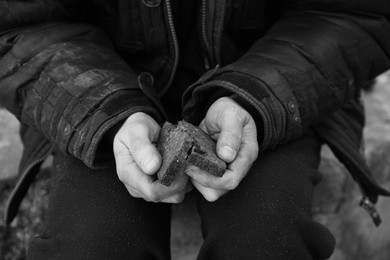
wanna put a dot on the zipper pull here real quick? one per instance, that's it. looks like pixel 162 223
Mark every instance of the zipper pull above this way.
pixel 366 204
pixel 206 63
pixel 146 82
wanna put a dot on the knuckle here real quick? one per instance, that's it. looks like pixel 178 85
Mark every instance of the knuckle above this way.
pixel 138 116
pixel 232 184
pixel 121 175
pixel 233 136
pixel 205 183
pixel 234 112
pixel 227 101
pixel 134 194
pixel 141 150
pixel 136 128
pixel 152 196
pixel 154 199
pixel 150 150
pixel 222 100
pixel 211 196
pixel 178 198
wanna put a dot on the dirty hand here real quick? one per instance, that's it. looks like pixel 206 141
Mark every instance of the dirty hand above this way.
pixel 235 132
pixel 137 161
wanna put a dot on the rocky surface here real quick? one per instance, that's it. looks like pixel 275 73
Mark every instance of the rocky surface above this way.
pixel 336 198
pixel 14 240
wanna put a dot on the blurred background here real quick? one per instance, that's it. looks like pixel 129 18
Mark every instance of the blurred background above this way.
pixel 336 198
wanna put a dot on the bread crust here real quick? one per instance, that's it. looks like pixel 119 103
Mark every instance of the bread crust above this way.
pixel 183 144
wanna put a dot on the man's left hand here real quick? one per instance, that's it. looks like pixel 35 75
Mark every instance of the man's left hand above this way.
pixel 235 132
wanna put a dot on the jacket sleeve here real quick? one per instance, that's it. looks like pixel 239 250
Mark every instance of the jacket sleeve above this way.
pixel 313 60
pixel 62 77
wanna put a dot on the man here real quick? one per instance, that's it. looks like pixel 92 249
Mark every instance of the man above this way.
pixel 92 81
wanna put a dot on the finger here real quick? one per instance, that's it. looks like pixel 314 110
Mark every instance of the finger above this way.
pixel 179 197
pixel 249 145
pixel 132 191
pixel 229 141
pixel 123 161
pixel 239 168
pixel 145 155
pixel 207 128
pixel 153 128
pixel 157 192
pixel 175 199
pixel 236 170
pixel 229 181
pixel 209 194
pixel 129 173
pixel 204 178
pixel 139 141
pixel 136 181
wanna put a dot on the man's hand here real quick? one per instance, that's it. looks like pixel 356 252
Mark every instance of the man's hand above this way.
pixel 137 161
pixel 235 131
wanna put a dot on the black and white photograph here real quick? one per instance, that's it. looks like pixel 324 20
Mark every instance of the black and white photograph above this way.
pixel 195 129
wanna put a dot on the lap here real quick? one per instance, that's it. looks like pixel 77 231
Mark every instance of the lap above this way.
pixel 268 216
pixel 92 216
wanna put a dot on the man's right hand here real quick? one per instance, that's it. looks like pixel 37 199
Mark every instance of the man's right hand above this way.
pixel 137 161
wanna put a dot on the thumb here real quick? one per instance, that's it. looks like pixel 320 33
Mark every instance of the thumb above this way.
pixel 145 154
pixel 229 140
pixel 138 134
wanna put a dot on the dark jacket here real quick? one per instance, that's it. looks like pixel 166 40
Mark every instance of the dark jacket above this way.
pixel 71 70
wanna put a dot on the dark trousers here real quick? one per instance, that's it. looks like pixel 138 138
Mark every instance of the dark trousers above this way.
pixel 268 217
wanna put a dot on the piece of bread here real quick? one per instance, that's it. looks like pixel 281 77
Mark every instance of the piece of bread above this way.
pixel 184 144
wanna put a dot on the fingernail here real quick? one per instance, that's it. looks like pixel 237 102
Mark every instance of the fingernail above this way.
pixel 189 171
pixel 227 153
pixel 149 164
pixel 192 168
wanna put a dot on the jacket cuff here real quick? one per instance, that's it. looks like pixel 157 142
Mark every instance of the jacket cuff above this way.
pixel 86 141
pixel 277 120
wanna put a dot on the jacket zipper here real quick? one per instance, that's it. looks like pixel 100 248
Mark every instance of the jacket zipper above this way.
pixel 175 46
pixel 369 206
pixel 21 180
pixel 204 36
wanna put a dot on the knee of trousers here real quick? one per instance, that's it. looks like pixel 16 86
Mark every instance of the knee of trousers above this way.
pixel 102 237
pixel 92 216
pixel 268 236
pixel 268 216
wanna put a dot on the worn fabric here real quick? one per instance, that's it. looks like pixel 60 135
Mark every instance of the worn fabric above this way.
pixel 92 216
